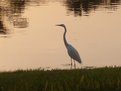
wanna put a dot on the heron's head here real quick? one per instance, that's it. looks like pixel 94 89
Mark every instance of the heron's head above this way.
pixel 62 25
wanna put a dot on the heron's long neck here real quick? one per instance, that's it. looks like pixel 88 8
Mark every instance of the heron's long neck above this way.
pixel 64 37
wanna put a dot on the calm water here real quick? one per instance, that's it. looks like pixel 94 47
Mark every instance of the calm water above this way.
pixel 30 39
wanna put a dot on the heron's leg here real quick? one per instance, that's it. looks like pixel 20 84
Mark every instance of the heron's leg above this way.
pixel 71 63
pixel 74 64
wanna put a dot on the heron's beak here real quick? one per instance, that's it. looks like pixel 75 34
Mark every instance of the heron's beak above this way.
pixel 58 25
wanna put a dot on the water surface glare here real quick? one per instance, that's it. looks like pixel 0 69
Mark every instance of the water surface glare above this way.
pixel 30 39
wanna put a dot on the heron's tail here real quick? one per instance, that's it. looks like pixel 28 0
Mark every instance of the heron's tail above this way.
pixel 80 61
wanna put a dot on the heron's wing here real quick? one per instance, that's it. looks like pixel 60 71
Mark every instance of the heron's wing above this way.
pixel 73 53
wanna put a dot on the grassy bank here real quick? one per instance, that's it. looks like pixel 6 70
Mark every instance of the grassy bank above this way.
pixel 97 79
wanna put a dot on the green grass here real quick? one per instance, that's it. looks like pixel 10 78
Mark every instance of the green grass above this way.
pixel 97 79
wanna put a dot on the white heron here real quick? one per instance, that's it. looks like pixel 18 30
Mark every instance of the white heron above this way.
pixel 72 52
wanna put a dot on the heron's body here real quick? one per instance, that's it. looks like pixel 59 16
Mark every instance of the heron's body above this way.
pixel 73 53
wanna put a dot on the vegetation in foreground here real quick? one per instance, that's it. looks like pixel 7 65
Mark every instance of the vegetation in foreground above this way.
pixel 97 79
